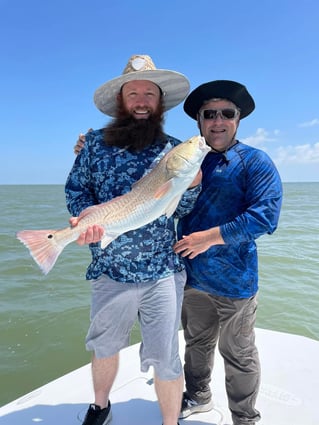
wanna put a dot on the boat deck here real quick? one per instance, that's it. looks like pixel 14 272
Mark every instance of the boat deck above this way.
pixel 288 394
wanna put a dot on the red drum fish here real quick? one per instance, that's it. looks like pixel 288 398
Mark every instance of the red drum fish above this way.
pixel 155 194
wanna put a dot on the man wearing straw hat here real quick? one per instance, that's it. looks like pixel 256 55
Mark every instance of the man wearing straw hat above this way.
pixel 138 275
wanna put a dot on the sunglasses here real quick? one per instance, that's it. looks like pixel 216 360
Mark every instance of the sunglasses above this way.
pixel 225 114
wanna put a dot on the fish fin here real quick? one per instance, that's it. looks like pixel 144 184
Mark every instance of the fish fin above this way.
pixel 166 149
pixel 163 189
pixel 161 155
pixel 107 239
pixel 42 246
pixel 172 206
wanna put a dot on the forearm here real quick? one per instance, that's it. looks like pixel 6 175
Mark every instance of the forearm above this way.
pixel 195 243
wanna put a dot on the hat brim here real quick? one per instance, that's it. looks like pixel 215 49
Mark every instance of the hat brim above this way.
pixel 175 87
pixel 221 89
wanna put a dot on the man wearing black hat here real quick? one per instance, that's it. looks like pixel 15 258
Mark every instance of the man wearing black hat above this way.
pixel 240 201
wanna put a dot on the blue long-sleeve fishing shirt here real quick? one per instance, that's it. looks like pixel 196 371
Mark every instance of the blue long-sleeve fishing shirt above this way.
pixel 242 194
pixel 99 174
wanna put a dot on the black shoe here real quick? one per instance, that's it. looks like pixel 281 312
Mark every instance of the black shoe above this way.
pixel 97 416
pixel 190 406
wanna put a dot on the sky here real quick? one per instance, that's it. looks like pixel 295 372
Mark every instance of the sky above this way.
pixel 55 54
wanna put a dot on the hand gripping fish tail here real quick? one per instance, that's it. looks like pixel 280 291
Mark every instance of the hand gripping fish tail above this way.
pixel 157 193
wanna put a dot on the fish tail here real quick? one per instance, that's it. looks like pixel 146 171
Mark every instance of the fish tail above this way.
pixel 43 247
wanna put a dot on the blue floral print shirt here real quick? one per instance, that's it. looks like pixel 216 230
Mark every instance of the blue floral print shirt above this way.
pixel 99 174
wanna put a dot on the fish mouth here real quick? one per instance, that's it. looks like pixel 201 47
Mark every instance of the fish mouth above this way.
pixel 203 145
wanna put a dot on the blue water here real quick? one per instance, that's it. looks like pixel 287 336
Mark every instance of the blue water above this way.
pixel 44 319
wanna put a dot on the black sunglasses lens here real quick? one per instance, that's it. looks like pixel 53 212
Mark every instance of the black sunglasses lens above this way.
pixel 229 113
pixel 209 114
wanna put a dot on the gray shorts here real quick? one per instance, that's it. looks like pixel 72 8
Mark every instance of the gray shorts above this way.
pixel 157 306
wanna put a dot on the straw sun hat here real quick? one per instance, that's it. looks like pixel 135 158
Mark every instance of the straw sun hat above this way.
pixel 174 86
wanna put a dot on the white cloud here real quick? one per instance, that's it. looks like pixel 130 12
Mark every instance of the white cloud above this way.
pixel 293 154
pixel 260 137
pixel 294 162
pixel 310 123
pixel 300 154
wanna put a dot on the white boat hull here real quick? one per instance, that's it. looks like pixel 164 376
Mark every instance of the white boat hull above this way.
pixel 288 394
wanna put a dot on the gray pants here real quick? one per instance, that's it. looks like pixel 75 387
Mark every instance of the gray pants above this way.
pixel 209 319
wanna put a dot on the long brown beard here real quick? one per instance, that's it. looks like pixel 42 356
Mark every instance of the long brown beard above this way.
pixel 125 131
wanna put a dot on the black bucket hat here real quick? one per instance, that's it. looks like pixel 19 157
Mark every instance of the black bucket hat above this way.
pixel 221 89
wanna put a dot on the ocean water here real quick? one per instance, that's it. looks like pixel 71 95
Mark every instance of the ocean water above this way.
pixel 44 319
